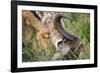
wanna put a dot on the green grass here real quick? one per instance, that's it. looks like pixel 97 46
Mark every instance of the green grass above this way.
pixel 79 26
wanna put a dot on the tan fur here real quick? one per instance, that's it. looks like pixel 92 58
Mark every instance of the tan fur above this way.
pixel 34 22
